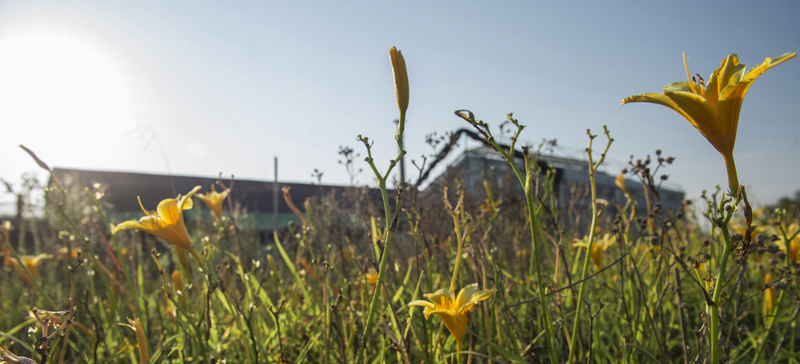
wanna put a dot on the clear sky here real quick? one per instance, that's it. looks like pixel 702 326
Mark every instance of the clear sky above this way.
pixel 224 86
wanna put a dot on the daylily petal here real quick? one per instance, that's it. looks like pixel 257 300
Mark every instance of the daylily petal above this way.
pixel 168 211
pixel 678 86
pixel 441 298
pixel 128 225
pixel 476 297
pixel 421 303
pixel 186 202
pixel 465 295
pixel 608 241
pixel 727 70
pixel 659 99
pixel 732 96
pixel 429 307
pixel 703 116
pixel 581 245
pixel 713 89
pixel 455 323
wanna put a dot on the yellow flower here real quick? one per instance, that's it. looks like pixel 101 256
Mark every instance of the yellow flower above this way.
pixel 30 262
pixel 400 78
pixel 371 277
pixel 7 357
pixel 620 182
pixel 770 298
pixel 214 200
pixel 453 310
pixel 713 109
pixel 65 253
pixel 167 223
pixel 598 248
pixel 794 248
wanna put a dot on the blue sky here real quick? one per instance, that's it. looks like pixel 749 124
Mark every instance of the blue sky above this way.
pixel 226 86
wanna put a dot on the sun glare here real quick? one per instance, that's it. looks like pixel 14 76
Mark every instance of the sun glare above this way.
pixel 54 83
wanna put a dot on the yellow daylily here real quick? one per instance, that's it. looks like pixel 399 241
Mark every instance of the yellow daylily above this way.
pixel 167 223
pixel 453 309
pixel 600 246
pixel 7 357
pixel 713 108
pixel 214 200
pixel 620 182
pixel 31 262
pixel 770 299
pixel 794 249
pixel 400 78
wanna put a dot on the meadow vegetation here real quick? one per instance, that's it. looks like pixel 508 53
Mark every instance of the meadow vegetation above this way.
pixel 470 273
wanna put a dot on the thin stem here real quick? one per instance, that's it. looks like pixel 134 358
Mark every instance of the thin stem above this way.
pixel 723 265
pixel 390 225
pixel 585 269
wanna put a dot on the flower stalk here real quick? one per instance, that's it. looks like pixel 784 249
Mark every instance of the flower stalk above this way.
pixel 591 240
pixel 401 89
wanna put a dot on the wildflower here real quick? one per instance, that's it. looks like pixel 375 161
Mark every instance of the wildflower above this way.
pixel 770 298
pixel 713 109
pixel 598 248
pixel 7 357
pixel 400 78
pixel 214 200
pixel 167 223
pixel 794 249
pixel 30 262
pixel 65 253
pixel 453 310
pixel 620 182
pixel 371 277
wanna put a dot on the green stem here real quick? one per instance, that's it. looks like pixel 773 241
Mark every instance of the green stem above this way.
pixel 585 267
pixel 389 231
pixel 586 258
pixel 551 342
pixel 733 178
pixel 723 265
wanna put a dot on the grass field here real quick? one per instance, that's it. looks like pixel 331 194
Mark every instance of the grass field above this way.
pixel 453 273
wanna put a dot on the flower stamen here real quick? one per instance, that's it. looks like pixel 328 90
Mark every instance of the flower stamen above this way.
pixel 686 66
pixel 142 206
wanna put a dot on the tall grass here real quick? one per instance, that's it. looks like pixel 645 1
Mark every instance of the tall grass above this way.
pixel 335 286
